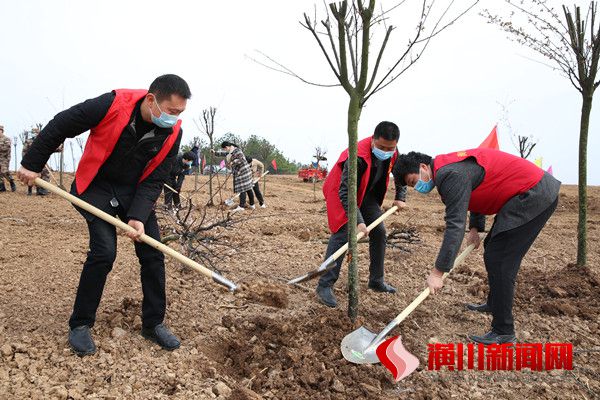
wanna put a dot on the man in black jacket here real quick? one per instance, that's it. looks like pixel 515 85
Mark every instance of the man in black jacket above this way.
pixel 176 176
pixel 134 140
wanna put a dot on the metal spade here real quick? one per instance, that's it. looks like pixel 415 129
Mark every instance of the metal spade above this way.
pixel 360 345
pixel 330 262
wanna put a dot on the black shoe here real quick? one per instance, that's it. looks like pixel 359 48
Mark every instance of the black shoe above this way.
pixel 162 336
pixel 382 287
pixel 29 190
pixel 81 341
pixel 2 187
pixel 13 187
pixel 326 296
pixel 493 338
pixel 482 308
pixel 41 192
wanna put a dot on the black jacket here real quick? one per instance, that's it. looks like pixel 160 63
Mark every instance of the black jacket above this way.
pixel 119 175
pixel 375 187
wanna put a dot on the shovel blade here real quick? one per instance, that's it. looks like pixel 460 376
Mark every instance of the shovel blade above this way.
pixel 355 347
pixel 326 266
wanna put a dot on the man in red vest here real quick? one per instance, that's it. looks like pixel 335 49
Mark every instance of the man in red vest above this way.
pixel 486 182
pixel 134 140
pixel 376 157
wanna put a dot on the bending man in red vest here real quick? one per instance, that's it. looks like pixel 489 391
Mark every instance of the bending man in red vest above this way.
pixel 376 157
pixel 486 182
pixel 134 140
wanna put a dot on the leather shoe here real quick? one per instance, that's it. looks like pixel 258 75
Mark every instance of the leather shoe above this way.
pixel 81 341
pixel 482 308
pixel 382 287
pixel 326 296
pixel 493 338
pixel 162 336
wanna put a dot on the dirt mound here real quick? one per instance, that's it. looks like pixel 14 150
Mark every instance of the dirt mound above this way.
pixel 274 352
pixel 271 341
pixel 571 291
pixel 570 202
pixel 269 294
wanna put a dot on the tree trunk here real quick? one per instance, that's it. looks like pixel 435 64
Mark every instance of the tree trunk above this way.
pixel 353 117
pixel 16 164
pixel 210 173
pixel 586 109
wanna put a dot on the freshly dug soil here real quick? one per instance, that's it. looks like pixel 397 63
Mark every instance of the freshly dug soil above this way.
pixel 271 341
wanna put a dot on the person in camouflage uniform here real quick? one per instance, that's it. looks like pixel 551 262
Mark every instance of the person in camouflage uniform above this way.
pixel 45 174
pixel 5 144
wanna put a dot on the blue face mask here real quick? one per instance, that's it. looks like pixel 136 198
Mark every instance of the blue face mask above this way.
pixel 165 120
pixel 382 155
pixel 188 163
pixel 424 187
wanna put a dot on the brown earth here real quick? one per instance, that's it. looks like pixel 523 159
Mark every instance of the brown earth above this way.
pixel 273 341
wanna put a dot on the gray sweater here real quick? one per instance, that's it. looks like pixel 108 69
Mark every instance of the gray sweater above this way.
pixel 456 181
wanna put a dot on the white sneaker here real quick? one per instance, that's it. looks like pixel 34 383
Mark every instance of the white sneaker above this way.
pixel 252 207
pixel 263 206
pixel 238 208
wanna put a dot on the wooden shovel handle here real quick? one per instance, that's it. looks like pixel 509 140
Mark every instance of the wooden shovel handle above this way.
pixel 360 235
pixel 144 238
pixel 415 303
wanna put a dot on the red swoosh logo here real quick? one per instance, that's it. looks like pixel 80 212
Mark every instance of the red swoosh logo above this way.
pixel 396 358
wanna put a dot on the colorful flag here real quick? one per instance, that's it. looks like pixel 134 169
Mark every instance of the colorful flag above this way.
pixel 550 170
pixel 274 164
pixel 491 142
pixel 538 162
pixel 222 164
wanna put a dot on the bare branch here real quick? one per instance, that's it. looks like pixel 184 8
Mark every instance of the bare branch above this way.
pixel 285 70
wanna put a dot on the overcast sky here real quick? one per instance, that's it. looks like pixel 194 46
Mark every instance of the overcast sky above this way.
pixel 58 53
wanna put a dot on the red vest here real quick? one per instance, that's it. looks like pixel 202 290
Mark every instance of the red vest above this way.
pixel 506 176
pixel 104 137
pixel 336 215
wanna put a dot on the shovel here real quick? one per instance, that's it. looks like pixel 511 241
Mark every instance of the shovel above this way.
pixel 175 191
pixel 360 346
pixel 144 238
pixel 229 202
pixel 330 262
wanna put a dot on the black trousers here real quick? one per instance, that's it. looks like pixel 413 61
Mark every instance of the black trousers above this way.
pixel 258 194
pixel 100 258
pixel 243 198
pixel 171 197
pixel 370 210
pixel 502 256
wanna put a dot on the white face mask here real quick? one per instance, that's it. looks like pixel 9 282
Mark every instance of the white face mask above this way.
pixel 165 120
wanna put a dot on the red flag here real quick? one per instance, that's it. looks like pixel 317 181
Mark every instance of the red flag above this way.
pixel 550 170
pixel 274 164
pixel 491 142
pixel 203 162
